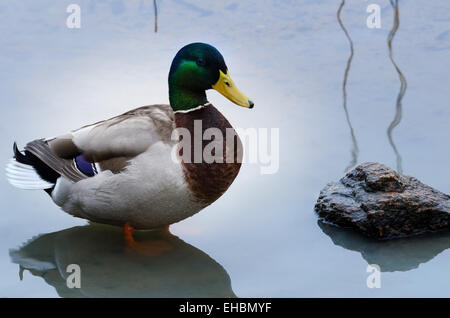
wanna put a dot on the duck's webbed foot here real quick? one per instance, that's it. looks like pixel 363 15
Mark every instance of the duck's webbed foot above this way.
pixel 153 247
pixel 128 234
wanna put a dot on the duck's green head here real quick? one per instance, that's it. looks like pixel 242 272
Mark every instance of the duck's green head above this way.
pixel 196 68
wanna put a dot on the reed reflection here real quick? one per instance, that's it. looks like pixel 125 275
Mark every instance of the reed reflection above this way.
pixel 403 85
pixel 155 9
pixel 354 150
pixel 162 266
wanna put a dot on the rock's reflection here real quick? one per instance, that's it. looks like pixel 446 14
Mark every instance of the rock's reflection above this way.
pixel 394 255
pixel 162 266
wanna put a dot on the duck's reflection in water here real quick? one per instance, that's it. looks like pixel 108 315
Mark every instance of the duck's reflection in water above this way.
pixel 160 265
pixel 393 255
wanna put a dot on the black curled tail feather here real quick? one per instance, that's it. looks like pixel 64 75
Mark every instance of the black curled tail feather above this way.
pixel 20 157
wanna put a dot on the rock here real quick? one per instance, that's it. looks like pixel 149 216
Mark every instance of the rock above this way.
pixel 381 203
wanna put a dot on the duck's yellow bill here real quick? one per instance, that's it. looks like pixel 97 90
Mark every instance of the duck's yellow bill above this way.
pixel 227 88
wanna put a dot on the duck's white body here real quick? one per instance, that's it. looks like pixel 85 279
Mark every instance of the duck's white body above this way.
pixel 151 192
pixel 138 181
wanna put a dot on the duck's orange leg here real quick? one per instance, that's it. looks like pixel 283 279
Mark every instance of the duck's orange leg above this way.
pixel 149 248
pixel 128 234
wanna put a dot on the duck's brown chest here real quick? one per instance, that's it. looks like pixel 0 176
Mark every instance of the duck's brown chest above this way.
pixel 210 151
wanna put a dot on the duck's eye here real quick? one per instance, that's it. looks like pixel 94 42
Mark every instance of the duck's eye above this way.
pixel 201 61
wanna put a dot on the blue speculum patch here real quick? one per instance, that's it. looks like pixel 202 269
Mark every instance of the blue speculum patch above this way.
pixel 84 166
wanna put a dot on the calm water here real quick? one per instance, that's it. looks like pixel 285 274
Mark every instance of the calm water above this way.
pixel 262 237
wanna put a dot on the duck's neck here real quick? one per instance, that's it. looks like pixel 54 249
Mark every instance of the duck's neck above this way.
pixel 183 99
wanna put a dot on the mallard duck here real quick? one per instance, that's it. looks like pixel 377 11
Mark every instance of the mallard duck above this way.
pixel 123 171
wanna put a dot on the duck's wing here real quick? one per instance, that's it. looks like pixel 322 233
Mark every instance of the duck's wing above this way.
pixel 126 135
pixel 108 144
